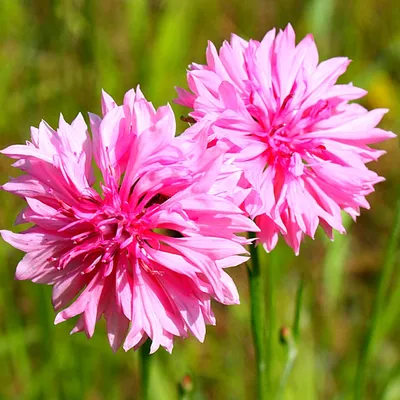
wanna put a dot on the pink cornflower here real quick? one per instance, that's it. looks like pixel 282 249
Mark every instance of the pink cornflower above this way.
pixel 148 250
pixel 291 129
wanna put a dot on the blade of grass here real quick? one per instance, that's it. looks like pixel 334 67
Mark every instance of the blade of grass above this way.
pixel 334 263
pixel 390 315
pixel 19 360
pixel 366 349
pixel 392 381
pixel 318 17
pixel 170 49
pixel 138 19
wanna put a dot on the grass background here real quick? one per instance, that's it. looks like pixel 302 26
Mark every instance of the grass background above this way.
pixel 56 55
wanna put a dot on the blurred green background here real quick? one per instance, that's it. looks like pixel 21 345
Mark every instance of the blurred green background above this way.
pixel 56 55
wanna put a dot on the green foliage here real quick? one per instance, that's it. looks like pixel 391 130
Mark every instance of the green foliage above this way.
pixel 55 56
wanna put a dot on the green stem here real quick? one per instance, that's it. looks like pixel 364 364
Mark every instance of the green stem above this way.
pixel 257 318
pixel 145 369
pixel 384 282
pixel 185 388
pixel 270 318
pixel 291 358
pixel 290 339
pixel 297 310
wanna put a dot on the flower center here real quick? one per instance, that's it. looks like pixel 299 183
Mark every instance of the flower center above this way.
pixel 281 131
pixel 276 132
pixel 108 231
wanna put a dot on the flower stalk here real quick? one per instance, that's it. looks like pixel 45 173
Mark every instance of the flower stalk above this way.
pixel 257 311
pixel 145 363
pixel 289 338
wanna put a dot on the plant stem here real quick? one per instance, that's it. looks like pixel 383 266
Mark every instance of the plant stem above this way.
pixel 145 369
pixel 297 310
pixel 257 309
pixel 185 388
pixel 290 339
pixel 270 318
pixel 384 282
pixel 292 354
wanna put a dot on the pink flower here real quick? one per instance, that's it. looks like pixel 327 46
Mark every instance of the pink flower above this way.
pixel 149 250
pixel 292 131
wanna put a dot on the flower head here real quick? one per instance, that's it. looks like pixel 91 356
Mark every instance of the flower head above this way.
pixel 146 250
pixel 291 129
